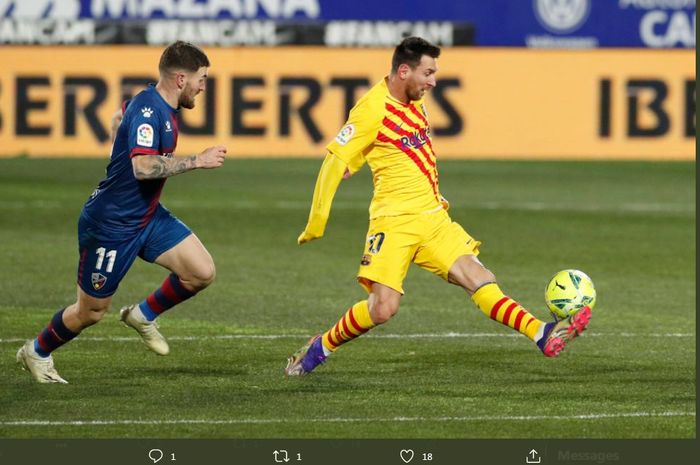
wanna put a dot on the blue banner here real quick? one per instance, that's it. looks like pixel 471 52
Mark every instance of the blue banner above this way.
pixel 519 23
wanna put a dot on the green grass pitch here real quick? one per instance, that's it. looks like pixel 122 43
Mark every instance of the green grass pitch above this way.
pixel 439 369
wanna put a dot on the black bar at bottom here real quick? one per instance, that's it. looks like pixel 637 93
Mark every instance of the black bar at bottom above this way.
pixel 342 452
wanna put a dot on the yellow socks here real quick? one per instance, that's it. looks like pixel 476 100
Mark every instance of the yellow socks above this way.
pixel 489 298
pixel 497 306
pixel 354 323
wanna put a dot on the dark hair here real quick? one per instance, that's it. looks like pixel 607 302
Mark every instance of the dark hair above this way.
pixel 183 56
pixel 411 50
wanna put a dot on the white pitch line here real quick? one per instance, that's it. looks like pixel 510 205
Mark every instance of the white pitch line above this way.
pixel 242 204
pixel 369 336
pixel 243 421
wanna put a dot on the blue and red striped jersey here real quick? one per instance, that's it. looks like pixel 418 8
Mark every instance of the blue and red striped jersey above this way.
pixel 122 203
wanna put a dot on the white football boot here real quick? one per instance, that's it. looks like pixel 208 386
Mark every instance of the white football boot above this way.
pixel 148 330
pixel 41 368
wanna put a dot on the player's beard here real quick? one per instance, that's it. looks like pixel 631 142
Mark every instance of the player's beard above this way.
pixel 187 98
pixel 414 94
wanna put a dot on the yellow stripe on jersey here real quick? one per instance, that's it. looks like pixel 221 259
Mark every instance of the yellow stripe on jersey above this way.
pixel 394 139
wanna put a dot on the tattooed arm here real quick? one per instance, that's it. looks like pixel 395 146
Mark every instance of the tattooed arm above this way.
pixel 158 167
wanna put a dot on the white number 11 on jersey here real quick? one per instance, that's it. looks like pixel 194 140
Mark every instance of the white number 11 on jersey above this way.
pixel 111 256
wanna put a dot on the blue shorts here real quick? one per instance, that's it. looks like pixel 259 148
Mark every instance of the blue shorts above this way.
pixel 106 256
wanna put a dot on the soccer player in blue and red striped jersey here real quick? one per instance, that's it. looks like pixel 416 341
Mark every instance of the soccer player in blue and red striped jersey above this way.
pixel 124 219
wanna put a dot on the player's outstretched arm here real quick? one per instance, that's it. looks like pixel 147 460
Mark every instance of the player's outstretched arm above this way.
pixel 329 177
pixel 157 167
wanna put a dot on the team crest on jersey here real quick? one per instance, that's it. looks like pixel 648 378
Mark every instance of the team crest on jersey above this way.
pixel 98 281
pixel 345 134
pixel 366 260
pixel 144 135
pixel 146 112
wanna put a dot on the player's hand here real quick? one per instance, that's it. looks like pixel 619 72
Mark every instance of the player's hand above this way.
pixel 445 203
pixel 306 237
pixel 211 157
pixel 347 174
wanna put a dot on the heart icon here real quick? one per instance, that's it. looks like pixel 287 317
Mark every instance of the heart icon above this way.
pixel 406 455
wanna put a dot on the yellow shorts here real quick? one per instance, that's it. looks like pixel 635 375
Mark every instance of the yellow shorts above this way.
pixel 431 240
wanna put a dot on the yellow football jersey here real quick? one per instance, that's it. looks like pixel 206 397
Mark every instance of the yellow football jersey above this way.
pixel 394 139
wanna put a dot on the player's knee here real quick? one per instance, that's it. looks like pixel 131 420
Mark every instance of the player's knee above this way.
pixel 201 277
pixel 471 275
pixel 486 276
pixel 382 311
pixel 90 315
pixel 94 316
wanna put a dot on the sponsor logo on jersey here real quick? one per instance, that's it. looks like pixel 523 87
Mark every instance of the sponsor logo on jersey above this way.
pixel 366 260
pixel 416 140
pixel 98 281
pixel 345 134
pixel 144 135
pixel 146 112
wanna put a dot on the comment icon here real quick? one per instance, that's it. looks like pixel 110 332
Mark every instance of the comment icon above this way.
pixel 155 454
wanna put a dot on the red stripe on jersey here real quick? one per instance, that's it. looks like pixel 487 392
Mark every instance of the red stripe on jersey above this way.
pixel 519 319
pixel 509 310
pixel 142 151
pixel 401 115
pixel 496 307
pixel 418 114
pixel 425 121
pixel 411 154
pixel 408 121
pixel 152 207
pixel 430 145
pixel 389 124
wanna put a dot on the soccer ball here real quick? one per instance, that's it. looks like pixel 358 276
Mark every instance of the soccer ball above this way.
pixel 569 291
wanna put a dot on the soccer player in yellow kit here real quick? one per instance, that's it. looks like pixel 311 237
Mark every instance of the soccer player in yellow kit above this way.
pixel 388 129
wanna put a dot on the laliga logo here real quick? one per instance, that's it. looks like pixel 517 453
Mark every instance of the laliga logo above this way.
pixel 561 16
